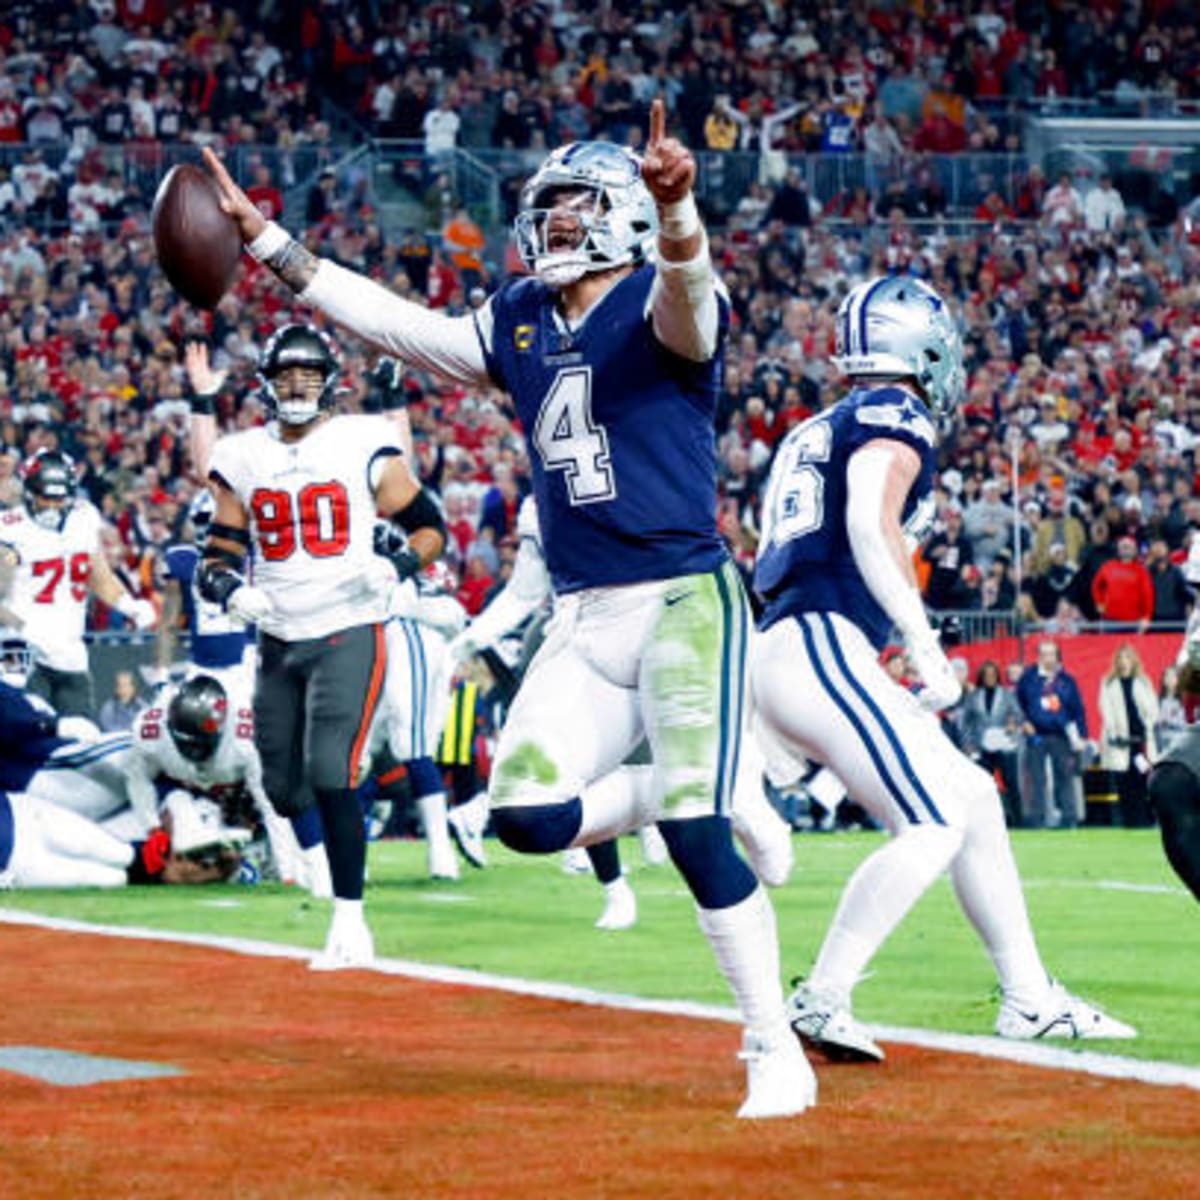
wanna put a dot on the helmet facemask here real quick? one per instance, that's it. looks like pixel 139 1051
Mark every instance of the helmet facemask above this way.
pixel 586 210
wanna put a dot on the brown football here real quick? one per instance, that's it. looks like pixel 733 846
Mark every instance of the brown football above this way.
pixel 197 244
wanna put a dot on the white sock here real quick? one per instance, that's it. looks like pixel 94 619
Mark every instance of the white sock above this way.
pixel 989 890
pixel 745 942
pixel 349 912
pixel 616 803
pixel 883 889
pixel 433 817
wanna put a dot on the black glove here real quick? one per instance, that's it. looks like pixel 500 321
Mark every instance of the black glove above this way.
pixel 390 543
pixel 387 392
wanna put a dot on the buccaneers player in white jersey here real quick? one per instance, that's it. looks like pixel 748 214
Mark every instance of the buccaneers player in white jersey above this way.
pixel 50 559
pixel 304 491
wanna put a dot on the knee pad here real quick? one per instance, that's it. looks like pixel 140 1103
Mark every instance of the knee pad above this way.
pixel 538 828
pixel 702 849
pixel 425 778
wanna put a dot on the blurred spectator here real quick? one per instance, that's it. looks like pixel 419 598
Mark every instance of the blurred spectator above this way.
pixel 264 195
pixel 321 198
pixel 465 243
pixel 1122 589
pixel 120 710
pixel 1055 728
pixel 1128 737
pixel 1063 205
pixel 1104 210
pixel 1058 524
pixel 947 553
pixel 988 524
pixel 1172 717
pixel 1056 583
pixel 1172 599
pixel 990 725
pixel 440 127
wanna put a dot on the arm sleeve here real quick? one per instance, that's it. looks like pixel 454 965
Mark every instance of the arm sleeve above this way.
pixel 877 541
pixel 527 587
pixel 139 786
pixel 684 306
pixel 448 346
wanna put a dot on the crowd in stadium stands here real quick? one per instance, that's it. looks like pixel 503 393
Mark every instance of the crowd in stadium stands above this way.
pixel 1069 490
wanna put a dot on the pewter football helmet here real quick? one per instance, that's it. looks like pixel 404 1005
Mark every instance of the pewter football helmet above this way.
pixel 896 327
pixel 49 480
pixel 618 225
pixel 299 346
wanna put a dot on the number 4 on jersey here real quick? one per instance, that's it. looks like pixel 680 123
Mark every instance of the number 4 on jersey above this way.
pixel 569 440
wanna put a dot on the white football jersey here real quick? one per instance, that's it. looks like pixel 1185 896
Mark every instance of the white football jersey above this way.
pixel 312 516
pixel 51 584
pixel 154 756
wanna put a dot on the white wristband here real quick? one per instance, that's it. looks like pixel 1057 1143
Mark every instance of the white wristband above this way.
pixel 125 605
pixel 679 221
pixel 272 239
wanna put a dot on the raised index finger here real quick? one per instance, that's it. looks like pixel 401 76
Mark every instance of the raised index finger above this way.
pixel 658 122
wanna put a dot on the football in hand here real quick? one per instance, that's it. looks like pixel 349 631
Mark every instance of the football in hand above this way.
pixel 197 244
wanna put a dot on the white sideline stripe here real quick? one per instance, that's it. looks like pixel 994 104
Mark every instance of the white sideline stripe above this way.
pixel 1110 885
pixel 1035 1054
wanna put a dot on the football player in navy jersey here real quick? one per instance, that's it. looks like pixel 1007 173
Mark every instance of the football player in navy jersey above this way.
pixel 609 349
pixel 847 490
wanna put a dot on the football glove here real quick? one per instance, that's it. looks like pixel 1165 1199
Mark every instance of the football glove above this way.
pixel 249 604
pixel 941 686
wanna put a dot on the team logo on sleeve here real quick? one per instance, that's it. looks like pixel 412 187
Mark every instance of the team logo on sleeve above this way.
pixel 898 416
pixel 8 555
pixel 523 337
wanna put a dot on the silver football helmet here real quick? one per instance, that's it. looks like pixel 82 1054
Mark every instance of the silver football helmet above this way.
pixel 896 326
pixel 599 184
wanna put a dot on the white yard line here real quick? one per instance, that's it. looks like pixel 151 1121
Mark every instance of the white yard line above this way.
pixel 1037 1054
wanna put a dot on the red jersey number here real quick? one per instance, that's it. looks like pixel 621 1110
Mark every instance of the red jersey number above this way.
pixel 52 570
pixel 320 518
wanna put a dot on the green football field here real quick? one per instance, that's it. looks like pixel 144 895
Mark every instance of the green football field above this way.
pixel 1112 921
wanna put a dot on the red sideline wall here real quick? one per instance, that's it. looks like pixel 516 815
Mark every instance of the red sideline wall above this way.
pixel 1088 657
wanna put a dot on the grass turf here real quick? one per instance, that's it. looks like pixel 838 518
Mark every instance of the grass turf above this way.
pixel 1112 922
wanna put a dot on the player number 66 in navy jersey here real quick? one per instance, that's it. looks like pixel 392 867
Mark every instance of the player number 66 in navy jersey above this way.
pixel 569 440
pixel 795 503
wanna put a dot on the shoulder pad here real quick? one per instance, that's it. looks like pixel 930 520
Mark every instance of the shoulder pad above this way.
pixel 891 410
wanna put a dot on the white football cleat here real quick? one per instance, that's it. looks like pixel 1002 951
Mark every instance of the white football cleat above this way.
pixel 348 947
pixel 620 906
pixel 825 1024
pixel 1061 1015
pixel 779 1078
pixel 766 836
pixel 467 823
pixel 654 849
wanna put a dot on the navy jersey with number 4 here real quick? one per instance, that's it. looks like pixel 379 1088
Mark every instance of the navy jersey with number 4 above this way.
pixel 625 464
pixel 805 563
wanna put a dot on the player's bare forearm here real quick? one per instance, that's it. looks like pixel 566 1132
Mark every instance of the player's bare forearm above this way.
pixel 104 584
pixel 426 544
pixel 172 606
